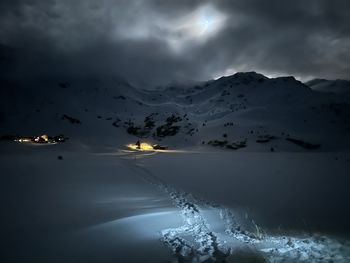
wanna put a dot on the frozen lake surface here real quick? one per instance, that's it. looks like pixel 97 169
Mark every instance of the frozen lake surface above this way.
pixel 193 206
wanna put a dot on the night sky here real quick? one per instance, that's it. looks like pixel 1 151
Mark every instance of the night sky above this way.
pixel 116 147
pixel 156 42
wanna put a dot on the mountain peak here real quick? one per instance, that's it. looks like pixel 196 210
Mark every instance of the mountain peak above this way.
pixel 252 75
pixel 243 77
pixel 249 74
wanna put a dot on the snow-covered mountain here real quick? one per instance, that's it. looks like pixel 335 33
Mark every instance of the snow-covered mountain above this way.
pixel 334 86
pixel 199 203
pixel 267 114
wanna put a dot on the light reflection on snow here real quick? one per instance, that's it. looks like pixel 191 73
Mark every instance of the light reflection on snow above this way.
pixel 129 199
pixel 136 218
pixel 197 230
pixel 145 226
pixel 195 241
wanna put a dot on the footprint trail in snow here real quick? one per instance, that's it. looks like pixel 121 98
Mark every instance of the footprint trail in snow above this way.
pixel 195 241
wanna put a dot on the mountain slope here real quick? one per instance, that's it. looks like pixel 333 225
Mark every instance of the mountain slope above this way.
pixel 336 86
pixel 247 107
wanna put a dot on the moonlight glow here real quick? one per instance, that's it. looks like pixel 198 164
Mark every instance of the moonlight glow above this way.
pixel 196 27
pixel 181 32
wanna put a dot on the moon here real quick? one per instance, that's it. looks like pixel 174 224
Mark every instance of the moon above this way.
pixel 206 23
pixel 209 21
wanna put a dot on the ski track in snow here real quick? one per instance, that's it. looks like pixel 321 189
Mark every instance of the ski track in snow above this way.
pixel 195 242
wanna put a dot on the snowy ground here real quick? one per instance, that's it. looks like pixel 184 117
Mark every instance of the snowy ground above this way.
pixel 193 206
pixel 207 199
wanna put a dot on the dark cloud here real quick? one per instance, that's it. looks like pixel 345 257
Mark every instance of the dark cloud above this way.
pixel 152 42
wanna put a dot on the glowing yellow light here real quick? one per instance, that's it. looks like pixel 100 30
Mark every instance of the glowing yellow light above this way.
pixel 43 137
pixel 143 147
pixel 132 146
pixel 24 140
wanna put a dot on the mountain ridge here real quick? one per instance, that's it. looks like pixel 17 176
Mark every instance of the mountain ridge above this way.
pixel 246 106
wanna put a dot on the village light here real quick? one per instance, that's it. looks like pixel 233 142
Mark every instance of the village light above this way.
pixel 141 147
pixel 22 140
pixel 43 138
